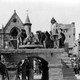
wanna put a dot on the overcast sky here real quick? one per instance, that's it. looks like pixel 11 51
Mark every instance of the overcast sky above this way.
pixel 41 12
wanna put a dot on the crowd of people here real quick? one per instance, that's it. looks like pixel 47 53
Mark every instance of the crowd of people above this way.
pixel 75 61
pixel 47 39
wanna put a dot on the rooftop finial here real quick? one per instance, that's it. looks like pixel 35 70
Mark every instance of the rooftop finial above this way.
pixel 27 19
pixel 27 12
pixel 14 11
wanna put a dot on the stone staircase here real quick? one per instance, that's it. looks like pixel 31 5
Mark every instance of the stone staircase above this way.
pixel 66 59
pixel 67 70
pixel 68 74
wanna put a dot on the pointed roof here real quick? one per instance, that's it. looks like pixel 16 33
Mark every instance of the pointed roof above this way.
pixel 13 16
pixel 27 21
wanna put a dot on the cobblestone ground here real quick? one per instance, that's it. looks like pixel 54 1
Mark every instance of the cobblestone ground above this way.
pixel 68 74
pixel 67 78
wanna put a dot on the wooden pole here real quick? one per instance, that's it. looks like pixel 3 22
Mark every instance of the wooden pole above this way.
pixel 31 71
pixel 3 37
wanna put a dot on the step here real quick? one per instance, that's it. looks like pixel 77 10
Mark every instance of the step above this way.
pixel 66 61
pixel 68 74
pixel 70 78
pixel 64 55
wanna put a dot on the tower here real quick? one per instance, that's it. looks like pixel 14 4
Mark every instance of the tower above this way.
pixel 27 25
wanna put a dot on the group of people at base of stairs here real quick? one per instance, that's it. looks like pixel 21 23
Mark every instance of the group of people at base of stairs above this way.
pixel 75 61
pixel 43 38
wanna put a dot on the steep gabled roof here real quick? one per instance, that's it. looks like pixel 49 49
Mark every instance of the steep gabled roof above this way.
pixel 27 19
pixel 13 16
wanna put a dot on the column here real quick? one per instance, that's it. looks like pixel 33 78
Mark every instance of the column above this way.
pixel 31 70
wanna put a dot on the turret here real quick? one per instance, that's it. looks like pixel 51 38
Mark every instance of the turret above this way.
pixel 27 25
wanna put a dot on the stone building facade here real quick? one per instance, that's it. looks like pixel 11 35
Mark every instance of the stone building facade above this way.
pixel 68 30
pixel 10 31
pixel 52 59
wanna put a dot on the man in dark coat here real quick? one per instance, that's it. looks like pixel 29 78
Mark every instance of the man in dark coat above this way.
pixel 25 69
pixel 41 36
pixel 62 39
pixel 22 35
pixel 3 71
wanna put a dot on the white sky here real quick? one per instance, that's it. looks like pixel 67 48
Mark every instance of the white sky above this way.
pixel 41 12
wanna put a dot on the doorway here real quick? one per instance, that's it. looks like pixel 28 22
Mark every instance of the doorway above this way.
pixel 13 37
pixel 33 68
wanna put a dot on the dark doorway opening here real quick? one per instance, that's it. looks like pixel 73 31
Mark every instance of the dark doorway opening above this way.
pixel 13 37
pixel 32 68
pixel 14 32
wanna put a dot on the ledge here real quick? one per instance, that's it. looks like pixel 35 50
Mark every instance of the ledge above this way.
pixel 55 65
pixel 30 46
pixel 42 50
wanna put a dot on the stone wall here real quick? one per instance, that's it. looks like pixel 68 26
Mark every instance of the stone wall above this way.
pixel 52 56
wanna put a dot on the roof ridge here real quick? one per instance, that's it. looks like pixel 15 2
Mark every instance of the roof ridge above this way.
pixel 11 18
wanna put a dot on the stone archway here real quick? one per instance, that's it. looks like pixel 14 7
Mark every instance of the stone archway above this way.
pixel 13 36
pixel 14 32
pixel 33 68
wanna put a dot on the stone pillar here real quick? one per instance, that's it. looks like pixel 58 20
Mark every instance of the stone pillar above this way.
pixel 31 73
pixel 55 66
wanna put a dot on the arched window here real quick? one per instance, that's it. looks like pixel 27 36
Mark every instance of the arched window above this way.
pixel 14 32
pixel 13 37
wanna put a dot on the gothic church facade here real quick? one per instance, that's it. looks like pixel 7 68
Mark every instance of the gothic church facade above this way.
pixel 10 32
